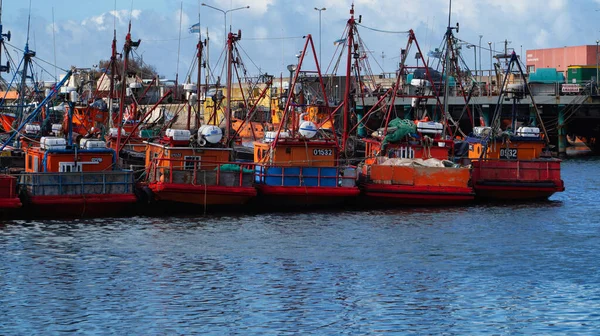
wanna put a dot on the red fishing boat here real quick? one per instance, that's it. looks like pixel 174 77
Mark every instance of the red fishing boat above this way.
pixel 512 161
pixel 8 193
pixel 299 164
pixel 66 179
pixel 63 180
pixel 197 169
pixel 407 161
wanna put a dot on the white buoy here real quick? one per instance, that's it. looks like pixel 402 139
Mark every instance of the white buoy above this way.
pixel 210 133
pixel 135 85
pixel 189 87
pixel 74 96
pixel 308 129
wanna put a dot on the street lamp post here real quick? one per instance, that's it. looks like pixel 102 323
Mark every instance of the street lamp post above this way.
pixel 225 15
pixel 491 67
pixel 474 47
pixel 320 10
pixel 597 42
pixel 480 37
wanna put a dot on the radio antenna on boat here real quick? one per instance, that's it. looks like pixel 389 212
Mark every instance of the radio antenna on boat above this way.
pixel 28 22
pixel 115 17
pixel 54 44
pixel 130 12
pixel 178 47
pixel 3 68
pixel 449 12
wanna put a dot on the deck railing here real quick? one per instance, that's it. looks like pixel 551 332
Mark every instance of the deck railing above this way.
pixel 522 170
pixel 77 183
pixel 201 172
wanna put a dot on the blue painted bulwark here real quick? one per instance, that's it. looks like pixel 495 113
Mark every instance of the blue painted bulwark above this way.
pixel 304 176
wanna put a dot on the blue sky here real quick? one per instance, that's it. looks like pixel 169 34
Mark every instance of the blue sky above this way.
pixel 84 28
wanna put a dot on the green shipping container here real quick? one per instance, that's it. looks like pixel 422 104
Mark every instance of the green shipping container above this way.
pixel 579 74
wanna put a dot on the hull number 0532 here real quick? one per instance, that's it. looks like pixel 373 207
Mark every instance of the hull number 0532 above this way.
pixel 322 152
pixel 508 153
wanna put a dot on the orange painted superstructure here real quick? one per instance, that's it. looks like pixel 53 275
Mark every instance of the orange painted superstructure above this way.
pixel 525 150
pixel 85 118
pixel 296 152
pixel 561 58
pixel 172 157
pixel 438 149
pixel 39 160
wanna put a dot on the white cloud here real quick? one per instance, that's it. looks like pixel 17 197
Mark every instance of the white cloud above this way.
pixel 531 23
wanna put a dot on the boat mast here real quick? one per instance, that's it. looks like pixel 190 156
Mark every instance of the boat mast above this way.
pixel 113 69
pixel 346 110
pixel 27 55
pixel 447 68
pixel 126 50
pixel 3 68
pixel 231 38
pixel 199 81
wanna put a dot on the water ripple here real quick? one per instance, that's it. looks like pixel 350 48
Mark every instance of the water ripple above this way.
pixel 485 269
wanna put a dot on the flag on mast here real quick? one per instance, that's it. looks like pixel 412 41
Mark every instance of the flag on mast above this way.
pixel 195 29
pixel 340 41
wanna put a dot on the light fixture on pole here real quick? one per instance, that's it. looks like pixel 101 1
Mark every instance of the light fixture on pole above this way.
pixel 291 68
pixel 320 10
pixel 474 56
pixel 225 15
pixel 597 41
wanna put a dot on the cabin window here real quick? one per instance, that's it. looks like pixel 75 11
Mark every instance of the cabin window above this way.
pixel 403 153
pixel 190 161
pixel 70 167
pixel 30 162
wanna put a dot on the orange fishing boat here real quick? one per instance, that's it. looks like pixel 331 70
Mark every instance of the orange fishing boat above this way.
pixel 197 173
pixel 407 162
pixel 197 169
pixel 414 171
pixel 63 180
pixel 66 179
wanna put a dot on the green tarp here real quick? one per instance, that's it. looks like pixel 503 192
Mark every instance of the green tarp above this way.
pixel 403 127
pixel 233 168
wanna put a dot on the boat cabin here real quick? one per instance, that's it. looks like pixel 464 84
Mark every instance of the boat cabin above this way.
pixel 173 156
pixel 86 119
pixel 185 158
pixel 295 152
pixel 53 155
pixel 527 144
pixel 135 142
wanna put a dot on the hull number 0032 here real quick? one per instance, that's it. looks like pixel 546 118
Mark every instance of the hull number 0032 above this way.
pixel 322 152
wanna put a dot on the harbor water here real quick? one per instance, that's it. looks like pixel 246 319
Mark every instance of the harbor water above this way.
pixel 483 269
